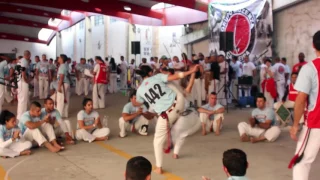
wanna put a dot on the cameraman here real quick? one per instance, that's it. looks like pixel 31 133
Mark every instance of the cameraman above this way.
pixel 23 84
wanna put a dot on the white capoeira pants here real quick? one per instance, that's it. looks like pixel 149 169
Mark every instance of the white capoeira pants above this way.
pixel 214 86
pixel 35 87
pixel 280 88
pixel 203 90
pixel 161 131
pixel 23 97
pixel 270 134
pixel 63 101
pixel 38 135
pixel 269 99
pixel 196 92
pixel 15 148
pixel 43 87
pixel 301 170
pixel 98 96
pixel 59 132
pixel 125 126
pixel 82 134
pixel 7 94
pixel 204 118
pixel 113 83
pixel 287 104
pixel 82 86
pixel 185 126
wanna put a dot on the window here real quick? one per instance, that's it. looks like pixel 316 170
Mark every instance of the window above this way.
pixel 98 20
pixel 81 25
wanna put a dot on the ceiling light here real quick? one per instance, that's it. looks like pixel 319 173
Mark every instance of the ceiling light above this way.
pixel 26 39
pixel 19 10
pixel 46 14
pixel 10 21
pixel 127 8
pixel 4 36
pixel 97 9
pixel 86 1
pixel 35 24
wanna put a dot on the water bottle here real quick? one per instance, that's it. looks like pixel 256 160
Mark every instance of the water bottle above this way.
pixel 105 121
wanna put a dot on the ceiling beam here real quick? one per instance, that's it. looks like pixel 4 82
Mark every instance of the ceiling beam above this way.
pixel 192 4
pixel 31 11
pixel 9 36
pixel 21 22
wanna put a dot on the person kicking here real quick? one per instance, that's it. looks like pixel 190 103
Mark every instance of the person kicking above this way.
pixel 134 117
pixel 211 115
pixel 33 128
pixel 61 127
pixel 262 124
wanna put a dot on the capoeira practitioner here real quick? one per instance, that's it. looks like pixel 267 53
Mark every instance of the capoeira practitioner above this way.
pixel 262 124
pixel 63 93
pixel 292 94
pixel 35 76
pixel 279 76
pixel 61 127
pixel 165 102
pixel 268 83
pixel 309 140
pixel 89 126
pixel 43 74
pixel 11 144
pixel 211 115
pixel 32 128
pixel 134 118
pixel 23 85
pixel 82 83
pixel 3 64
pixel 100 81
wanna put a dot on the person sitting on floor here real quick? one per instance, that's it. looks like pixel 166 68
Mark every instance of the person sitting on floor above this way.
pixel 11 144
pixel 33 128
pixel 61 127
pixel 134 117
pixel 235 164
pixel 211 115
pixel 138 168
pixel 89 126
pixel 262 124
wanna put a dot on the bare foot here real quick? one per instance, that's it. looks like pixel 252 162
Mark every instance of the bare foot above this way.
pixel 244 138
pixel 217 133
pixel 158 170
pixel 175 156
pixel 54 149
pixel 25 153
pixel 4 157
pixel 204 132
pixel 58 146
pixel 253 140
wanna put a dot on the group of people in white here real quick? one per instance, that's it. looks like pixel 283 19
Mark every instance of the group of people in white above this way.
pixel 164 91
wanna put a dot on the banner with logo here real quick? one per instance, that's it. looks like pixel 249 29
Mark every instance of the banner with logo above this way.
pixel 250 21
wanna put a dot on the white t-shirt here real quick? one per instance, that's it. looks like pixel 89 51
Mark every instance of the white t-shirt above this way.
pixel 263 68
pixel 224 65
pixel 279 71
pixel 123 67
pixel 237 68
pixel 248 68
pixel 96 70
pixel 178 65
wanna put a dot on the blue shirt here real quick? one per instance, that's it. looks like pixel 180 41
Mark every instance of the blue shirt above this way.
pixel 237 178
pixel 64 71
pixel 3 65
pixel 130 109
pixel 263 115
pixel 6 134
pixel 212 108
pixel 25 117
pixel 55 115
pixel 307 83
pixel 155 91
pixel 88 119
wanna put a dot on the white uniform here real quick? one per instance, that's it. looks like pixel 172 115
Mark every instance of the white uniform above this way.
pixel 90 135
pixel 63 97
pixel 113 80
pixel 269 98
pixel 212 120
pixel 263 68
pixel 261 116
pixel 23 91
pixel 161 98
pixel 3 65
pixel 35 82
pixel 279 76
pixel 38 133
pixel 9 148
pixel 138 124
pixel 124 74
pixel 82 85
pixel 43 69
pixel 248 71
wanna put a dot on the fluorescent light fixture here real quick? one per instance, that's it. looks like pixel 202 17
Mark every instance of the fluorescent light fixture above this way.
pixel 35 24
pixel 26 39
pixel 86 1
pixel 54 22
pixel 19 10
pixel 4 36
pixel 46 14
pixel 97 9
pixel 44 34
pixel 127 8
pixel 161 6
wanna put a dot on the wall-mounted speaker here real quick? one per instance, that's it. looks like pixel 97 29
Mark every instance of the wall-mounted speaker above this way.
pixel 135 47
pixel 226 41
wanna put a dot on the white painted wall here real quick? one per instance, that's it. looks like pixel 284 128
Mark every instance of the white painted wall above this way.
pixel 35 48
pixel 97 39
pixel 79 42
pixel 67 41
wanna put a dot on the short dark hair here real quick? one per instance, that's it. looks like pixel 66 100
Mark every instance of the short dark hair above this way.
pixel 99 58
pixel 35 104
pixel 235 160
pixel 294 73
pixel 268 60
pixel 133 92
pixel 316 40
pixel 47 99
pixel 138 168
pixel 284 59
pixel 213 93
pixel 85 101
pixel 37 56
pixel 64 57
pixel 5 116
pixel 260 95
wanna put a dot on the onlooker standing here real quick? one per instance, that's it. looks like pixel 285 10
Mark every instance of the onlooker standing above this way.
pixel 296 68
pixel 124 73
pixel 249 69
